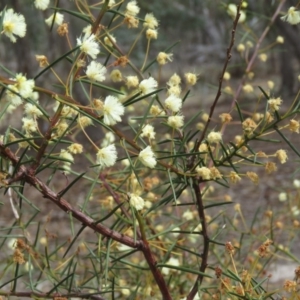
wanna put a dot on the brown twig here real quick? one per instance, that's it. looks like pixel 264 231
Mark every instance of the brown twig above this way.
pixel 204 255
pixel 255 53
pixel 34 295
pixel 196 183
pixel 142 245
pixel 219 92
pixel 29 177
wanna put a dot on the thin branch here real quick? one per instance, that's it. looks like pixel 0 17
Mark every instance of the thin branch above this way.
pixel 31 179
pixel 33 295
pixel 256 49
pixel 219 92
pixel 201 213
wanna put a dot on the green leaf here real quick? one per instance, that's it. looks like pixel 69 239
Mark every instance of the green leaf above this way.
pixel 76 14
pixel 107 88
pixel 184 269
pixel 62 192
pixel 239 111
pixel 265 94
pixel 218 204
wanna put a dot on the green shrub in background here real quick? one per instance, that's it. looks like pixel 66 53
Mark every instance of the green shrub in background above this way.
pixel 130 174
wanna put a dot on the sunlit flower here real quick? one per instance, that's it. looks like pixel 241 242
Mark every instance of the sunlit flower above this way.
pixel 63 29
pixel 107 156
pixel 132 81
pixel 280 39
pixel 58 19
pixel 75 148
pixel 108 40
pixel 188 215
pixel 148 131
pixel 271 84
pixel 67 156
pixel 215 173
pixel 89 46
pixel 32 111
pixel 204 173
pixel 249 125
pixel 234 177
pixel 147 157
pixel 14 99
pixel 253 177
pixel 173 103
pixel 176 121
pixel 214 137
pixel 248 88
pixel 174 90
pixel 226 76
pixel 225 117
pixel 84 121
pixel 25 86
pixel 13 24
pixel 282 196
pixel 132 8
pixel 241 48
pixel 191 78
pixel 232 12
pixel 290 286
pixel 42 60
pixel 131 21
pixel 296 183
pixel 116 76
pixel 270 167
pixel 113 109
pixel 163 57
pixel 136 201
pixel 151 34
pixel 96 71
pixel 294 126
pixel 292 16
pixel 274 104
pixel 174 80
pixel 147 86
pixel 295 211
pixel 29 125
pixel 61 128
pixel 41 4
pixel 263 57
pixel 281 155
pixel 150 21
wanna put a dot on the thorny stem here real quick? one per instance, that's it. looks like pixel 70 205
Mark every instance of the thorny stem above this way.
pixel 116 198
pixel 201 213
pixel 196 183
pixel 256 49
pixel 28 176
pixel 36 295
pixel 219 92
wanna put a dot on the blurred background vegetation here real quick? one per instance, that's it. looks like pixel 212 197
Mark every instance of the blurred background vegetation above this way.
pixel 202 27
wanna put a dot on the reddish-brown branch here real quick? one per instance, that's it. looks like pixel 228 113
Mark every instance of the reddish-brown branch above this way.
pixel 219 92
pixel 34 295
pixel 142 245
pixel 156 272
pixel 201 213
pixel 256 49
pixel 31 179
pixel 196 184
